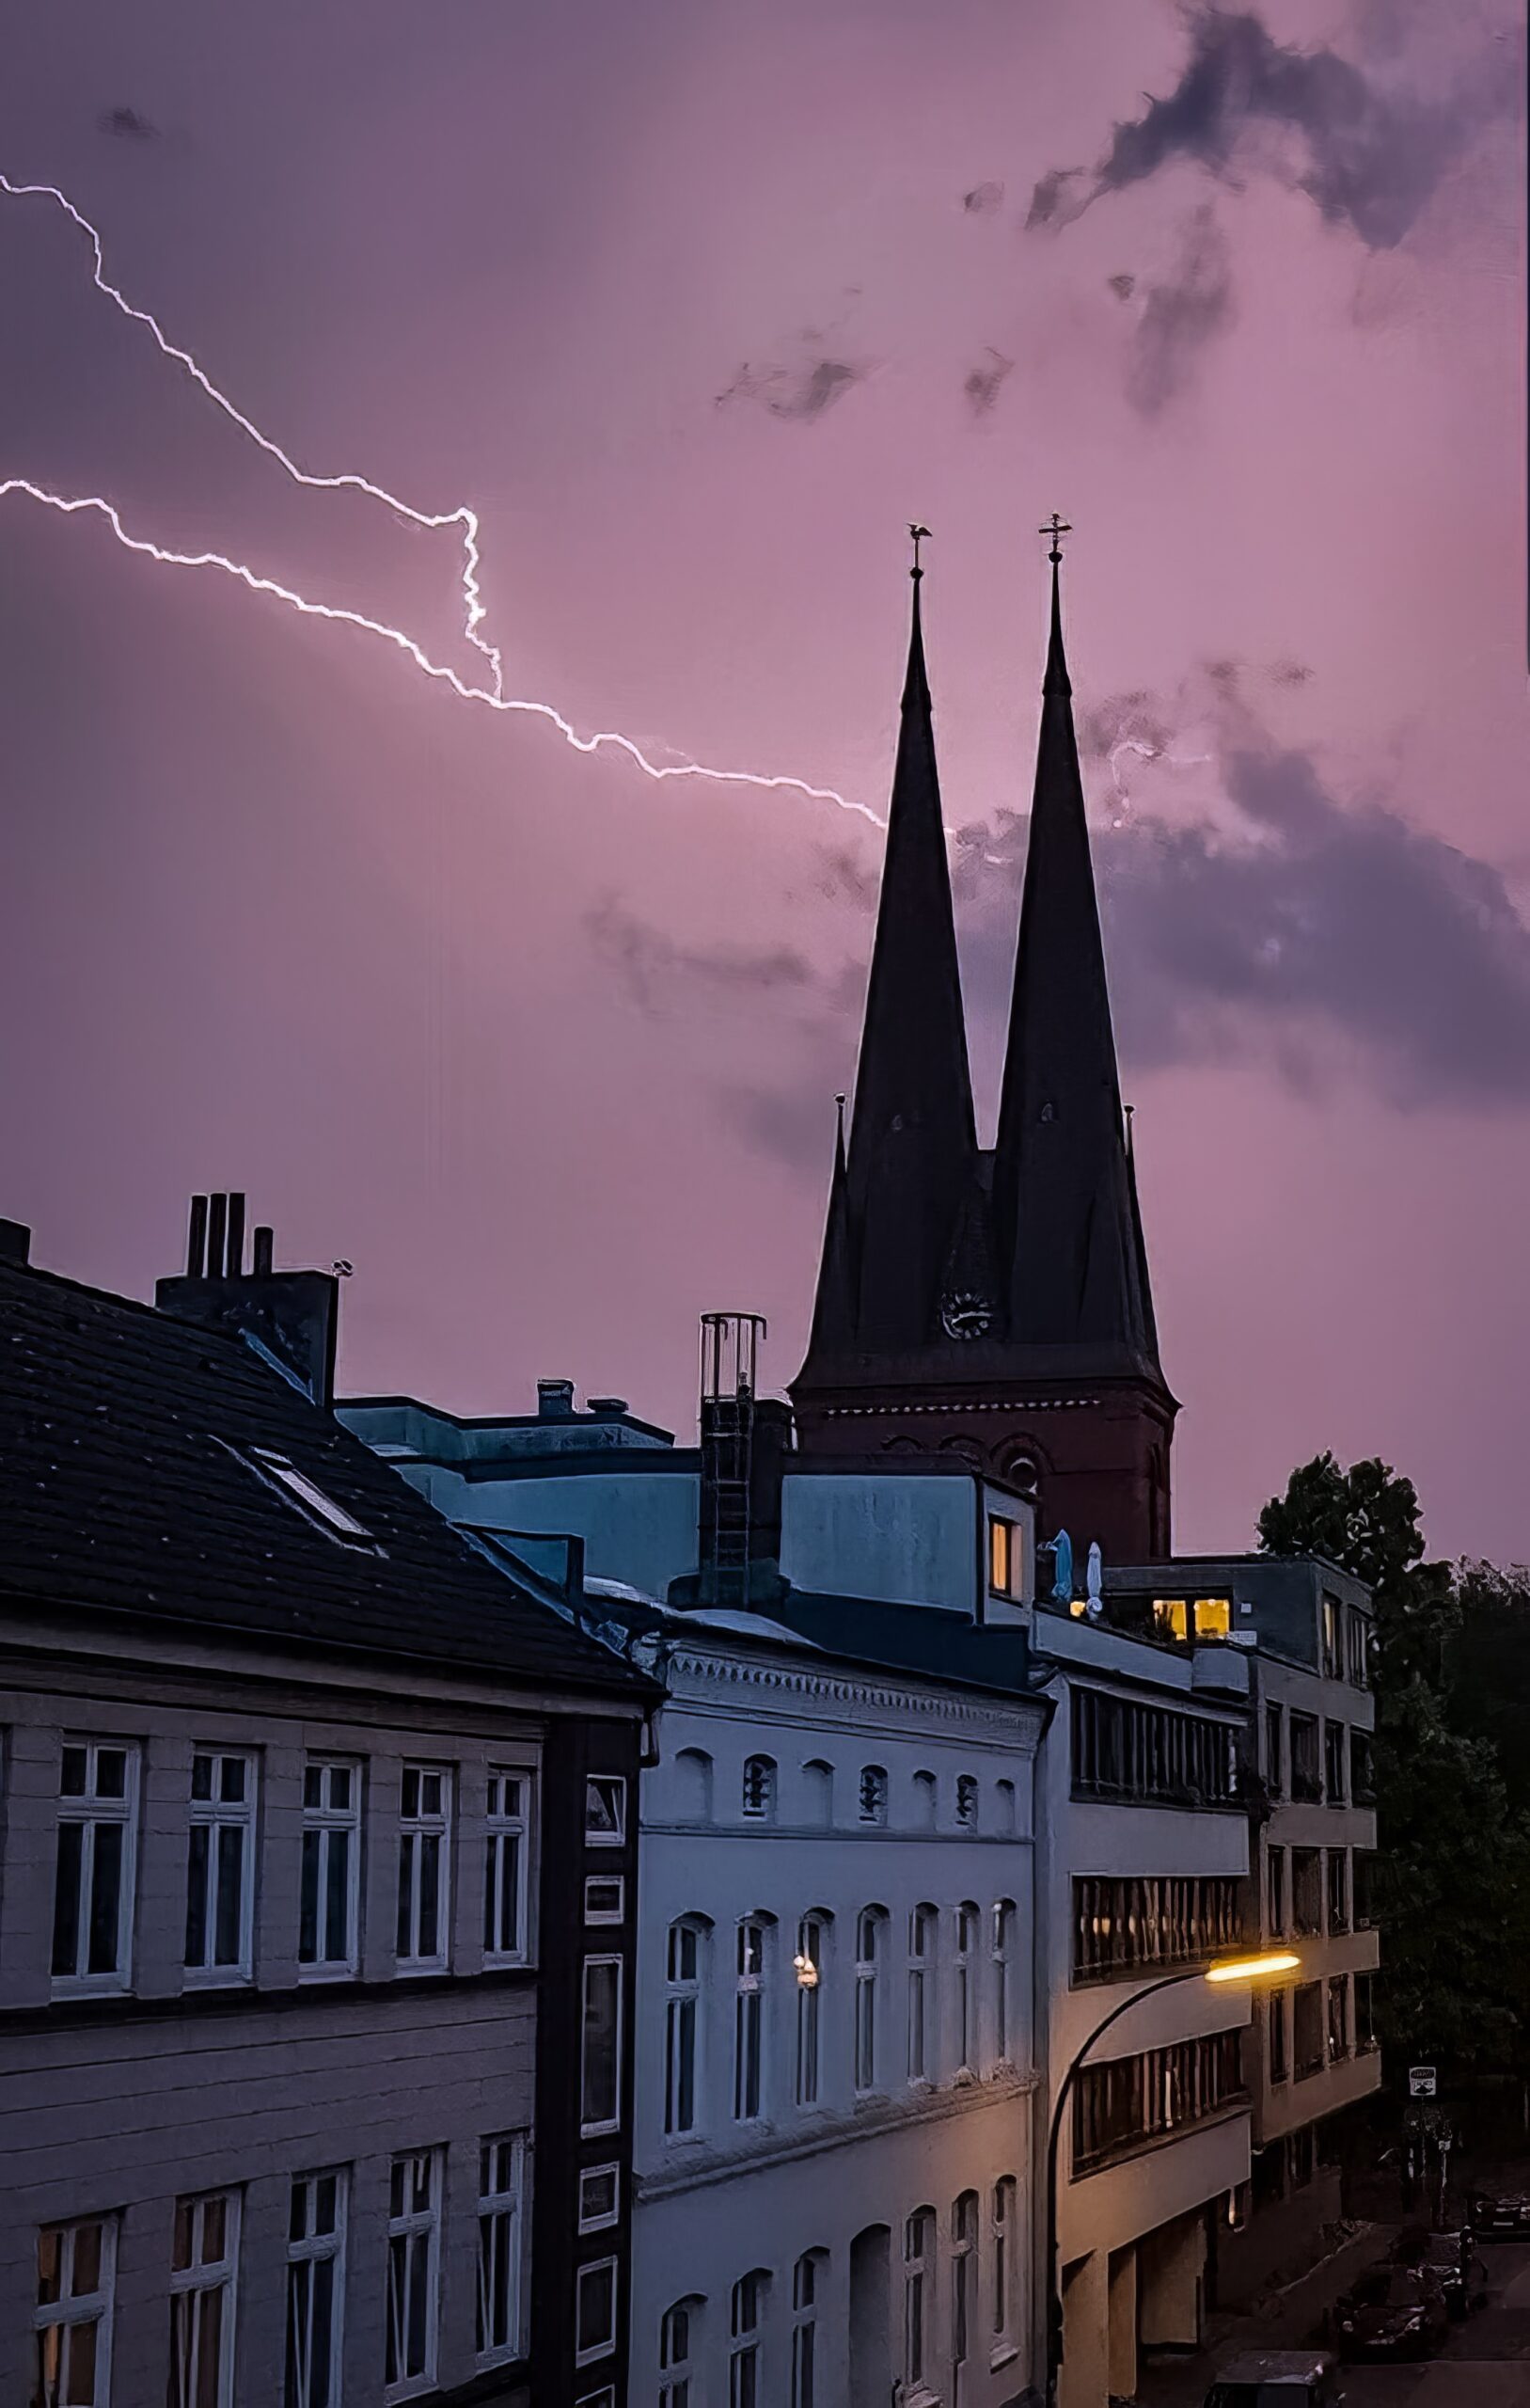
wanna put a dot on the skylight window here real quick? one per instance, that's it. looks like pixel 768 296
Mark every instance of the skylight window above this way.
pixel 308 1494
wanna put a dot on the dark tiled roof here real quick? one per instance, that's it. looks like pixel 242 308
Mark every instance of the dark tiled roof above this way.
pixel 119 1490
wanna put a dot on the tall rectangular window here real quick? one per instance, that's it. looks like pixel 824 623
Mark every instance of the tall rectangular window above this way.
pixel 1275 1878
pixel 600 2058
pixel 1274 1751
pixel 967 1928
pixel 315 2290
pixel 1002 1555
pixel 220 1866
pixel 329 1900
pixel 806 2281
pixel 918 2258
pixel 204 2262
pixel 414 2272
pixel 1005 2240
pixel 921 1940
pixel 868 1954
pixel 1280 2060
pixel 681 2026
pixel 1339 1889
pixel 1306 1891
pixel 98 1808
pixel 749 2019
pixel 504 1866
pixel 1307 2028
pixel 745 2309
pixel 1338 2016
pixel 501 2214
pixel 1333 1652
pixel 1306 1764
pixel 73 2319
pixel 594 2311
pixel 1003 1934
pixel 808 1965
pixel 964 2279
pixel 605 1810
pixel 424 1867
pixel 1335 1764
pixel 1365 2010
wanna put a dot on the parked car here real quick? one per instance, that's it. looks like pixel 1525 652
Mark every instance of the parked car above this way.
pixel 1452 2258
pixel 1278 2379
pixel 1394 2312
pixel 1504 2216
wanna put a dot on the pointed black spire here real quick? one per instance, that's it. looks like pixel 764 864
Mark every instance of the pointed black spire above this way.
pixel 913 1143
pixel 1072 1256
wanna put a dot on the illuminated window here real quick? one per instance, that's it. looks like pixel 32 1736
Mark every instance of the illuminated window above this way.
pixel 1213 1616
pixel 1171 1617
pixel 1004 1556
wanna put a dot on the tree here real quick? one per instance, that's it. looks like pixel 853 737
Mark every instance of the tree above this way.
pixel 1364 1519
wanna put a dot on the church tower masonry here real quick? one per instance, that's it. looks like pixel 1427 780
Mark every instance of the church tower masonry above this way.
pixel 996 1305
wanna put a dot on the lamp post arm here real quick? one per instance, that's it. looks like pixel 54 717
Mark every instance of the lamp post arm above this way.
pixel 1054 2289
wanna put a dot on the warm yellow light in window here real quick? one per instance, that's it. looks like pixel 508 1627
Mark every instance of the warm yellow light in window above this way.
pixel 1171 1617
pixel 1000 1536
pixel 1213 1616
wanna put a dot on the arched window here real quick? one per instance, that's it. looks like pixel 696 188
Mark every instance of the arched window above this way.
pixel 746 2315
pixel 748 2018
pixel 818 1793
pixel 812 1935
pixel 693 1786
pixel 1004 1808
pixel 1003 1942
pixel 923 1924
pixel 968 1927
pixel 759 1799
pixel 1021 1472
pixel 964 2280
pixel 807 2286
pixel 681 2025
pixel 967 1802
pixel 872 1793
pixel 918 2268
pixel 870 1925
pixel 926 1790
pixel 1005 2239
pixel 677 2353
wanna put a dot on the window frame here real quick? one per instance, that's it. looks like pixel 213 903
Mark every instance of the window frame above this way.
pixel 872 1797
pixel 609 1791
pixel 871 1925
pixel 500 2205
pixel 1001 1553
pixel 72 2310
pixel 89 1811
pixel 197 2281
pixel 806 2303
pixel 752 1935
pixel 757 1789
pixel 919 2262
pixel 808 1964
pixel 323 1823
pixel 749 2295
pixel 966 2281
pixel 602 2219
pixel 408 2224
pixel 1001 1948
pixel 678 2364
pixel 215 1815
pixel 1004 2231
pixel 1278 2020
pixel 307 2250
pixel 967 1927
pixel 923 2004
pixel 684 2037
pixel 509 1835
pixel 616 1912
pixel 420 1826
pixel 592 2127
pixel 589 2354
pixel 300 1490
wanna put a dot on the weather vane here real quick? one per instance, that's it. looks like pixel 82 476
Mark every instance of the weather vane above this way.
pixel 1058 528
pixel 920 535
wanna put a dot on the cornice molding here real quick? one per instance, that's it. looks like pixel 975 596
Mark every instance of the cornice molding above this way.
pixel 1018 1725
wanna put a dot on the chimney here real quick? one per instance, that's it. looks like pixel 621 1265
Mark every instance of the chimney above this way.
pixel 555 1400
pixel 607 1408
pixel 292 1314
pixel 15 1243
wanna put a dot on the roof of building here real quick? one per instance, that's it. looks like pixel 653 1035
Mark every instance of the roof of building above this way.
pixel 148 1465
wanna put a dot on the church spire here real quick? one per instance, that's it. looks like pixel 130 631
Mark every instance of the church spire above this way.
pixel 912 1145
pixel 1068 1227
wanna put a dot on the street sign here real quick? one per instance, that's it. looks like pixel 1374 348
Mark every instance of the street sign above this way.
pixel 1421 2082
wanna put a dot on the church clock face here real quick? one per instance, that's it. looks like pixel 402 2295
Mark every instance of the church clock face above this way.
pixel 966 1314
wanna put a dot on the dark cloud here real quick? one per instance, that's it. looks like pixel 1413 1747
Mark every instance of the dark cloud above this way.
pixel 658 972
pixel 1333 943
pixel 983 382
pixel 983 199
pixel 1181 316
pixel 128 124
pixel 802 392
pixel 1371 154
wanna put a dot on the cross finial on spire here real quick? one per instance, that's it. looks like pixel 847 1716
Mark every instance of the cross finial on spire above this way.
pixel 1056 530
pixel 920 534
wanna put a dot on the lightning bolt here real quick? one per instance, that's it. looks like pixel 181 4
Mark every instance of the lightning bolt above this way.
pixel 491 695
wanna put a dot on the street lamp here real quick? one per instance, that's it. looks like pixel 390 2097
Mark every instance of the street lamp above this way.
pixel 1229 1969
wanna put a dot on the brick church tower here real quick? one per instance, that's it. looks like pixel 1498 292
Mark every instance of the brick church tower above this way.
pixel 997 1304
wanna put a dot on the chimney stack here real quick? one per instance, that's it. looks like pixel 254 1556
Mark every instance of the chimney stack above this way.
pixel 555 1400
pixel 15 1242
pixel 292 1314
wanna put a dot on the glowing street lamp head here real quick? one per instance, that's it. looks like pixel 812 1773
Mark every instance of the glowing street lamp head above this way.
pixel 1254 1969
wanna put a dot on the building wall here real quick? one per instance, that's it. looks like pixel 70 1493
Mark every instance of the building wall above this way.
pixel 125 2102
pixel 841 2176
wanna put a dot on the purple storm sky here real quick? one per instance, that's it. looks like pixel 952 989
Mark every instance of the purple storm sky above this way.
pixel 696 303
